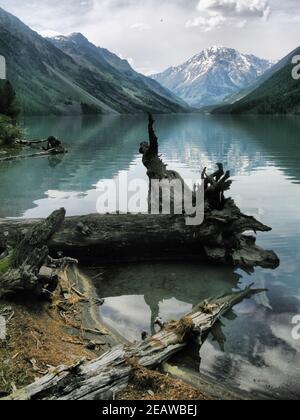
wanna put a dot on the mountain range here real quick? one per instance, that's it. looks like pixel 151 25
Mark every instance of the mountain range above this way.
pixel 210 77
pixel 69 75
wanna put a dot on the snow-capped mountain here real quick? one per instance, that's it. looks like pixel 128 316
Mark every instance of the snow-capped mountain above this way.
pixel 211 76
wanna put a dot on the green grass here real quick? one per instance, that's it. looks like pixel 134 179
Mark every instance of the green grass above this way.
pixel 5 264
pixel 9 131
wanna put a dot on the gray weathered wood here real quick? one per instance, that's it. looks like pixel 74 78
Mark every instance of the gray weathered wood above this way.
pixel 103 378
pixel 24 266
pixel 127 238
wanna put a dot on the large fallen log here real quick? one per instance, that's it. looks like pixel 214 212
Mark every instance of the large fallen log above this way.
pixel 129 238
pixel 104 378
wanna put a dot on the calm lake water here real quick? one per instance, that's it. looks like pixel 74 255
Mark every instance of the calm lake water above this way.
pixel 253 349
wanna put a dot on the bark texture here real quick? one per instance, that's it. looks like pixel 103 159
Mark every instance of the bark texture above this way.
pixel 131 238
pixel 24 265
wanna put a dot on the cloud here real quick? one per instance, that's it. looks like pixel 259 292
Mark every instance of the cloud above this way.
pixel 215 13
pixel 236 8
pixel 124 26
pixel 48 33
pixel 206 24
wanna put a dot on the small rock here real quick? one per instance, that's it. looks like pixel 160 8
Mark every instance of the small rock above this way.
pixel 151 393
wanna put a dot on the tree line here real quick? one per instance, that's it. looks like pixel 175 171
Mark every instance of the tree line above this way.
pixel 9 131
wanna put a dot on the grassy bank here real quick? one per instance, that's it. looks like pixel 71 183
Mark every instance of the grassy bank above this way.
pixel 9 132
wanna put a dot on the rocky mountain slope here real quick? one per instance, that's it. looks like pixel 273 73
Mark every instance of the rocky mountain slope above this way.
pixel 49 80
pixel 275 93
pixel 211 76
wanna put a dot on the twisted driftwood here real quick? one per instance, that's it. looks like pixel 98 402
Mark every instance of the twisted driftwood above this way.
pixel 105 377
pixel 25 266
pixel 226 243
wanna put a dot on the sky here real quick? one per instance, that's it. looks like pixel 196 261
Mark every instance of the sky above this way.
pixel 156 34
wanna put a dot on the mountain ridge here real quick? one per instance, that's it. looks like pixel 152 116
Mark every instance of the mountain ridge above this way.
pixel 276 92
pixel 49 81
pixel 210 76
pixel 80 48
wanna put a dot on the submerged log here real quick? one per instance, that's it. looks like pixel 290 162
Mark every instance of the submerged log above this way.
pixel 56 151
pixel 104 378
pixel 30 142
pixel 24 266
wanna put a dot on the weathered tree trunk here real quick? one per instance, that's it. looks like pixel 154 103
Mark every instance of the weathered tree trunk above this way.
pixel 105 377
pixel 227 244
pixel 129 238
pixel 24 266
pixel 156 169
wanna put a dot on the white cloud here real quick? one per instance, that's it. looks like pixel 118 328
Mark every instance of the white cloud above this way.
pixel 49 33
pixel 121 26
pixel 245 8
pixel 215 13
pixel 206 24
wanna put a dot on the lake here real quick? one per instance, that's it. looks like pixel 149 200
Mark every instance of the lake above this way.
pixel 253 348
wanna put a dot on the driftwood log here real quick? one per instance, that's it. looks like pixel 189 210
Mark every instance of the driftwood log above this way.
pixel 55 151
pixel 30 142
pixel 130 238
pixel 104 378
pixel 26 265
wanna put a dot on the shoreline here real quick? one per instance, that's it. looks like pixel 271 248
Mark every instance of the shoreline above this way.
pixel 39 330
pixel 201 383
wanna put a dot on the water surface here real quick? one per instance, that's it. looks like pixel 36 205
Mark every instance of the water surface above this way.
pixel 253 349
